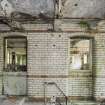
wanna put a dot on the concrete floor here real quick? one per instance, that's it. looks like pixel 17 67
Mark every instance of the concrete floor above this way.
pixel 18 101
pixel 23 101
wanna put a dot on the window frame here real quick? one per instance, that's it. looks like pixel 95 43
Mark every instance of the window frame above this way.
pixel 4 49
pixel 90 51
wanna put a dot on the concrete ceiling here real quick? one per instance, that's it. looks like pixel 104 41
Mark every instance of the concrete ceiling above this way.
pixel 29 7
pixel 67 8
pixel 83 8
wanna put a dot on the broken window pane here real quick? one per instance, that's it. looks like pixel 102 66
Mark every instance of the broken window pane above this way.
pixel 80 53
pixel 15 54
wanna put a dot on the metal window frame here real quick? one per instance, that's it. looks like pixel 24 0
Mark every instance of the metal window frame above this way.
pixel 14 37
pixel 90 52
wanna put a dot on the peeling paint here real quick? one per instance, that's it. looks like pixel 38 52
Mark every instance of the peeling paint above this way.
pixel 32 7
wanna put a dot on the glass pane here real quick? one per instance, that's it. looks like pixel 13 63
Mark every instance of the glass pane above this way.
pixel 80 53
pixel 15 54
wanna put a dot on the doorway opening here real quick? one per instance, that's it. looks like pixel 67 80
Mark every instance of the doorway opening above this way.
pixel 15 65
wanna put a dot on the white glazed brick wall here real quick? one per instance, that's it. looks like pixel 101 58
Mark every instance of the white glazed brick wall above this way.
pixel 47 55
pixel 99 65
pixel 36 87
pixel 80 83
pixel 80 86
